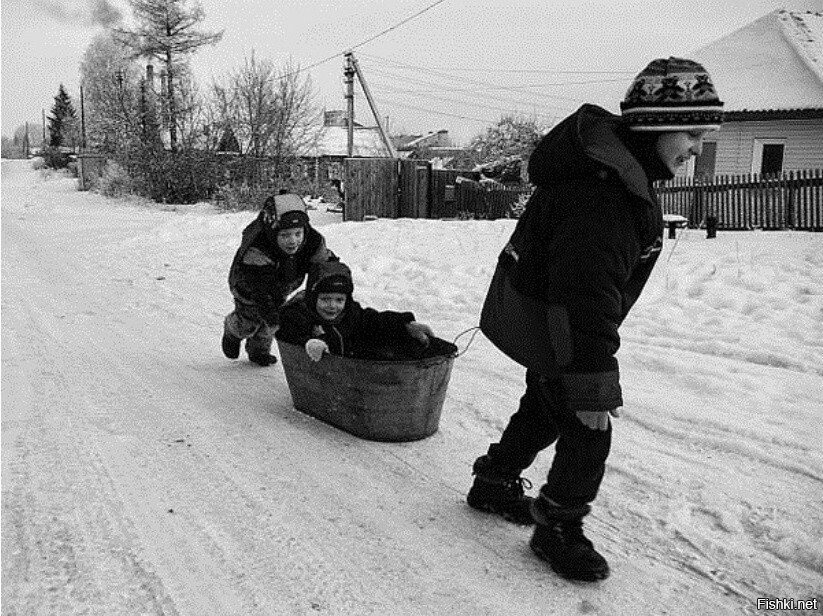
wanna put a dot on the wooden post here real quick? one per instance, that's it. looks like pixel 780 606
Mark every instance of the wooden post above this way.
pixel 348 72
pixel 386 141
pixel 82 120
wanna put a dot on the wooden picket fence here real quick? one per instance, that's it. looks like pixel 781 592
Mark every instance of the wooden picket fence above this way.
pixel 792 200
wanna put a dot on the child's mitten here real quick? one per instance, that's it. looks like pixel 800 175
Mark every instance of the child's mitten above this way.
pixel 315 349
pixel 420 332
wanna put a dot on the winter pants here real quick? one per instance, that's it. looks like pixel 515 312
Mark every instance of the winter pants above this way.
pixel 542 419
pixel 245 322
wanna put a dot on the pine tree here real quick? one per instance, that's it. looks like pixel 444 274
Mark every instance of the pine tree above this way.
pixel 167 30
pixel 228 142
pixel 63 120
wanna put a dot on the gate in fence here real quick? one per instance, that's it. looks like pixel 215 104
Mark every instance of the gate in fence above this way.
pixel 392 188
pixel 371 188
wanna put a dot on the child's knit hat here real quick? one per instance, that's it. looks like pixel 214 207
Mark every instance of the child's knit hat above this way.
pixel 329 277
pixel 672 94
pixel 285 211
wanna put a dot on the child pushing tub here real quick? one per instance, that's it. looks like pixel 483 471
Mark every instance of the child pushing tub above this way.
pixel 275 255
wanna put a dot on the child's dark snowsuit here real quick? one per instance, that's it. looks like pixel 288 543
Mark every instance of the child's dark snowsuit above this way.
pixel 262 275
pixel 359 332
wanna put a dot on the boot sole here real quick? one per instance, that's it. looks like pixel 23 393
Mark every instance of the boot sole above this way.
pixel 490 508
pixel 574 576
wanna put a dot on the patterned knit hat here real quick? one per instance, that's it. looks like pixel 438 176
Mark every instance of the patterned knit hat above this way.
pixel 672 94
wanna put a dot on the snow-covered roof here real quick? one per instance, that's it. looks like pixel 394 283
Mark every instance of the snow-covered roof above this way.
pixel 423 139
pixel 775 62
pixel 400 141
pixel 334 141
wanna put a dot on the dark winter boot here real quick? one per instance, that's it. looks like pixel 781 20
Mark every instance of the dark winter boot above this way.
pixel 231 345
pixel 558 539
pixel 262 359
pixel 500 491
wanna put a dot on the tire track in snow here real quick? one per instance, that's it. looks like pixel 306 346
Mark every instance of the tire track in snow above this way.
pixel 64 542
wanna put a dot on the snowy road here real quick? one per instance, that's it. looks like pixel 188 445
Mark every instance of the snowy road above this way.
pixel 145 474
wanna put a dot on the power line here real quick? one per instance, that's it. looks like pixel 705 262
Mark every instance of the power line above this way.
pixel 513 71
pixel 540 70
pixel 397 25
pixel 453 77
pixel 467 103
pixel 368 40
pixel 482 94
pixel 432 111
pixel 531 85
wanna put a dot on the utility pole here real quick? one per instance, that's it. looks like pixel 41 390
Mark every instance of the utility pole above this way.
pixel 349 71
pixel 386 141
pixel 82 121
pixel 44 127
pixel 26 142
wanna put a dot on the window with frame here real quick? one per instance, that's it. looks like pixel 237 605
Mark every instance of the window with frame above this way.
pixel 704 165
pixel 767 156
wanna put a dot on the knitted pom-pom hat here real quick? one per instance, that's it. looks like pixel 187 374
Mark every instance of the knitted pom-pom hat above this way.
pixel 672 94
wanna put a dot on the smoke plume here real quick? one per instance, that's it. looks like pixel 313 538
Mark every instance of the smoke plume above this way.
pixel 90 13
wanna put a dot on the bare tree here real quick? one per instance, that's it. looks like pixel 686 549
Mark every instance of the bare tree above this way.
pixel 31 133
pixel 247 102
pixel 271 112
pixel 167 30
pixel 298 118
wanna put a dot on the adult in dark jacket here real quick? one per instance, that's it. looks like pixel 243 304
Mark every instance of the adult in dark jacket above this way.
pixel 325 319
pixel 274 256
pixel 576 263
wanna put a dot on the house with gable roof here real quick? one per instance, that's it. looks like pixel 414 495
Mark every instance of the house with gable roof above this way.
pixel 770 76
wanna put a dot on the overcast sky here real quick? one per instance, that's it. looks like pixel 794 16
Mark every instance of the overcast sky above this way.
pixel 458 66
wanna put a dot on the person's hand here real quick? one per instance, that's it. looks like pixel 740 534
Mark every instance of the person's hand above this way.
pixel 597 420
pixel 420 332
pixel 315 349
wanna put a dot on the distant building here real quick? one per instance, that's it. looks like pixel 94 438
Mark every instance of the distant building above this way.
pixel 770 76
pixel 410 146
pixel 324 159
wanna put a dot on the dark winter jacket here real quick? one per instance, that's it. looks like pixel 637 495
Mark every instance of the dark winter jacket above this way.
pixel 357 332
pixel 585 246
pixel 263 275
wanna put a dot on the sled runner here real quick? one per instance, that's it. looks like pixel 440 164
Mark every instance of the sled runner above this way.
pixel 378 400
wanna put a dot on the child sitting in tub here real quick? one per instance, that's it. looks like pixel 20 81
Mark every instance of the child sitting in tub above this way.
pixel 325 319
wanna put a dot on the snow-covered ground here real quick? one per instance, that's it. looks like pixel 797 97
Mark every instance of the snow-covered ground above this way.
pixel 144 473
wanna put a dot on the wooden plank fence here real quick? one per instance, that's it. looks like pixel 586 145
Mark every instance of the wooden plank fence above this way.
pixel 792 200
pixel 488 201
pixel 414 188
pixel 371 188
pixel 443 192
pixel 391 188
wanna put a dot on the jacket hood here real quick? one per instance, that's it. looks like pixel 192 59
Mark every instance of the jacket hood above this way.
pixel 583 142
